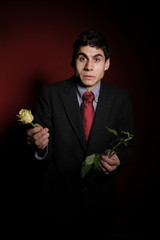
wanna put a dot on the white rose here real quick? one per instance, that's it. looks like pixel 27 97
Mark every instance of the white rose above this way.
pixel 25 116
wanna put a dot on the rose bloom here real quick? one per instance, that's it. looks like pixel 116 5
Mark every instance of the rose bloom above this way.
pixel 25 116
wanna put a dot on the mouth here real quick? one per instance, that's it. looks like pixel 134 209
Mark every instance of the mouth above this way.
pixel 88 76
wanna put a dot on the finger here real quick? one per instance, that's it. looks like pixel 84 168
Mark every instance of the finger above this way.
pixel 101 168
pixel 114 160
pixel 105 166
pixel 40 134
pixel 33 137
pixel 40 140
pixel 108 160
pixel 108 151
pixel 37 125
pixel 110 166
pixel 33 131
pixel 44 144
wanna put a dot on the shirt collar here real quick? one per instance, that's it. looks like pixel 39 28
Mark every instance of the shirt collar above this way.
pixel 81 90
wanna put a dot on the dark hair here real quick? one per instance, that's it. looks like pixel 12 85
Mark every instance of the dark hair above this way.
pixel 93 39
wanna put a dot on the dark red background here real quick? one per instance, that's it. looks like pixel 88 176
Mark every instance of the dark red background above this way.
pixel 36 48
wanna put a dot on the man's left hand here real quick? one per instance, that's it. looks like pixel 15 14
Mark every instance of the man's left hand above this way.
pixel 109 164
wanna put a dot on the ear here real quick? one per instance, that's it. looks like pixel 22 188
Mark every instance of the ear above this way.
pixel 107 64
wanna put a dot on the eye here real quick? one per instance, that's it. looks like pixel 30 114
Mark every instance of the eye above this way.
pixel 82 59
pixel 96 60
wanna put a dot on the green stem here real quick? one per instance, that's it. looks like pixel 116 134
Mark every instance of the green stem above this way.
pixel 114 150
pixel 33 124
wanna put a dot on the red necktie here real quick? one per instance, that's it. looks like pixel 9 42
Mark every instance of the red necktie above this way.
pixel 87 111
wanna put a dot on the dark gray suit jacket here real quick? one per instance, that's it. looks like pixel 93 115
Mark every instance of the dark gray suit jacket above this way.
pixel 65 195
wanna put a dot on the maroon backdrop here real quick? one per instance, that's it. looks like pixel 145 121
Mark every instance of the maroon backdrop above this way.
pixel 36 48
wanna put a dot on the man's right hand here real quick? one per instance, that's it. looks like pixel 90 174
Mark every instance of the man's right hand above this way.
pixel 38 136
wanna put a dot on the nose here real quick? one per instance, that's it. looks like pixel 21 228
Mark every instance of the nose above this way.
pixel 88 66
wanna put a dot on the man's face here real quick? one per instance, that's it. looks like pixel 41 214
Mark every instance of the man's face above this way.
pixel 90 66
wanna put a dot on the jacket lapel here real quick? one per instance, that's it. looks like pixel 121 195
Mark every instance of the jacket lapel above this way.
pixel 69 98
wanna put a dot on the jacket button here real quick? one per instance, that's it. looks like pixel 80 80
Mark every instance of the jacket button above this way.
pixel 85 188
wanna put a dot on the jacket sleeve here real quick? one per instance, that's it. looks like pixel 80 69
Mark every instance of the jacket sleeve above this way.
pixel 126 123
pixel 43 117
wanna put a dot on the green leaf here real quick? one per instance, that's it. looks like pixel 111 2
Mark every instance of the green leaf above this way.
pixel 125 144
pixel 85 169
pixel 113 131
pixel 90 159
pixel 129 135
pixel 96 160
pixel 128 139
pixel 121 139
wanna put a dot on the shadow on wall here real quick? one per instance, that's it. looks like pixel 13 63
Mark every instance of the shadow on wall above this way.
pixel 20 175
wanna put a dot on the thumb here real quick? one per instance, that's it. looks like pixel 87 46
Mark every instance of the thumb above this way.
pixel 37 125
pixel 108 151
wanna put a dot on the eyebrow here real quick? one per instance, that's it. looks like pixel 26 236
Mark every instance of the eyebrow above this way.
pixel 85 55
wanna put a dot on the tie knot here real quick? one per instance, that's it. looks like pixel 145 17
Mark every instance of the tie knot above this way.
pixel 88 97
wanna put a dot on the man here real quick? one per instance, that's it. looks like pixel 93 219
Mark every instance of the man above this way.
pixel 60 139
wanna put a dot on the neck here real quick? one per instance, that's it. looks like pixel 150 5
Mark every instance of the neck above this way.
pixel 88 88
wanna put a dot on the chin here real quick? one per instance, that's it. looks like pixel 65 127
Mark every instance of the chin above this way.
pixel 88 83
